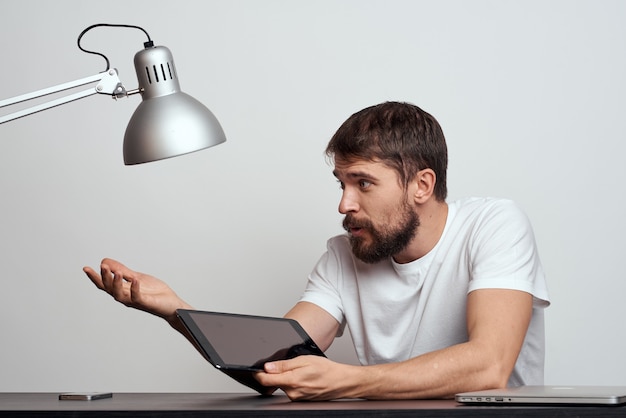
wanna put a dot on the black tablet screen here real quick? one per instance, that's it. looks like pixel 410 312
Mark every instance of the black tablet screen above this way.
pixel 232 340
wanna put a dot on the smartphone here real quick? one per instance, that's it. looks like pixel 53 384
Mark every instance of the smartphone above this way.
pixel 84 396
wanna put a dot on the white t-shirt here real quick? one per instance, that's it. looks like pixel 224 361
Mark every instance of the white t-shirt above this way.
pixel 399 311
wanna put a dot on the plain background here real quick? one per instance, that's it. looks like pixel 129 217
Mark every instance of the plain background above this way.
pixel 530 94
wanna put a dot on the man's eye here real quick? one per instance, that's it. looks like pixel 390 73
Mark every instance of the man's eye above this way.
pixel 364 184
pixel 341 185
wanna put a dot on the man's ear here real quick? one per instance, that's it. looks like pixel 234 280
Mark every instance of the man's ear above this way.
pixel 424 185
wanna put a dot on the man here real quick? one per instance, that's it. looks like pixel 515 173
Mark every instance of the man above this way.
pixel 439 298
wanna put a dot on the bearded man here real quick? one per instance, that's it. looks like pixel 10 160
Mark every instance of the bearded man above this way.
pixel 440 298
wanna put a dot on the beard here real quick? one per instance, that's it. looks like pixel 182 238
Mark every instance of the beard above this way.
pixel 387 241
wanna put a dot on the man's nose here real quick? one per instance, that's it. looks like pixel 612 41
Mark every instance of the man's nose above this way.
pixel 348 203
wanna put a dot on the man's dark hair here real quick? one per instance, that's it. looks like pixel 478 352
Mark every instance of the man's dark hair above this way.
pixel 400 135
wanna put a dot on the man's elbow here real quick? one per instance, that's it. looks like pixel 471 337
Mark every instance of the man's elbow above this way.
pixel 495 376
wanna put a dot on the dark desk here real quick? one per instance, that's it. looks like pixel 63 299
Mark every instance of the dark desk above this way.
pixel 244 405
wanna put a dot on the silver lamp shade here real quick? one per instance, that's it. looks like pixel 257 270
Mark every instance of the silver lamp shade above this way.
pixel 167 122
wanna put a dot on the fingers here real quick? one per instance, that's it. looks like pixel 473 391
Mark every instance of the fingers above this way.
pixel 135 292
pixel 284 366
pixel 116 266
pixel 277 373
pixel 94 277
pixel 302 378
pixel 119 288
pixel 275 367
pixel 266 376
pixel 114 278
pixel 280 374
pixel 109 265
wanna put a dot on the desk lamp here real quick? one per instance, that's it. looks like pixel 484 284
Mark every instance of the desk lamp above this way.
pixel 167 122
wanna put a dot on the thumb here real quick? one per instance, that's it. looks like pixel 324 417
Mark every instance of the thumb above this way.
pixel 275 367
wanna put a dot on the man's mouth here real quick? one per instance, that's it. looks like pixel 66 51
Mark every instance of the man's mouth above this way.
pixel 356 232
pixel 354 228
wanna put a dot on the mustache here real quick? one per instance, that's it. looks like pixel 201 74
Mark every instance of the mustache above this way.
pixel 351 222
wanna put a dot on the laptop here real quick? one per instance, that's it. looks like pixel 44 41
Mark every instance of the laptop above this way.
pixel 564 395
pixel 239 345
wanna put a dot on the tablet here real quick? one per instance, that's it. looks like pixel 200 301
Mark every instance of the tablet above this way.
pixel 239 345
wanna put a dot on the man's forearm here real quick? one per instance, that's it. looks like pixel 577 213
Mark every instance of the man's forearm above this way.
pixel 439 374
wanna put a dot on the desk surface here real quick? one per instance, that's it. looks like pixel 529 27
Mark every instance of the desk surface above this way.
pixel 237 404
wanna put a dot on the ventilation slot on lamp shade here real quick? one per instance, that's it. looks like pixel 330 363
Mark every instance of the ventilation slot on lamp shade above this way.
pixel 161 72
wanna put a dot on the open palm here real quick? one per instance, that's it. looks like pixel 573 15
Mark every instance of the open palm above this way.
pixel 136 290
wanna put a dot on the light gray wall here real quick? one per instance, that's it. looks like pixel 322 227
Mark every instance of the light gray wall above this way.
pixel 530 95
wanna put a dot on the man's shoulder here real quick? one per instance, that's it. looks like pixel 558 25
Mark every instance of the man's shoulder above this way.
pixel 476 206
pixel 477 213
pixel 489 218
pixel 482 202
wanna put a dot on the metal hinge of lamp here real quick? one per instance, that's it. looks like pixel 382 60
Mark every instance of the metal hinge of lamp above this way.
pixel 166 123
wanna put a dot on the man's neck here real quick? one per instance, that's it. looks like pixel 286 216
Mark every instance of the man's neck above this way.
pixel 433 216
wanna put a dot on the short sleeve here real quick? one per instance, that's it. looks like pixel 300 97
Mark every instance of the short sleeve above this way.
pixel 504 253
pixel 322 287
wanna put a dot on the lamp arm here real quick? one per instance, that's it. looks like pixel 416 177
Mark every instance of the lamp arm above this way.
pixel 108 83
